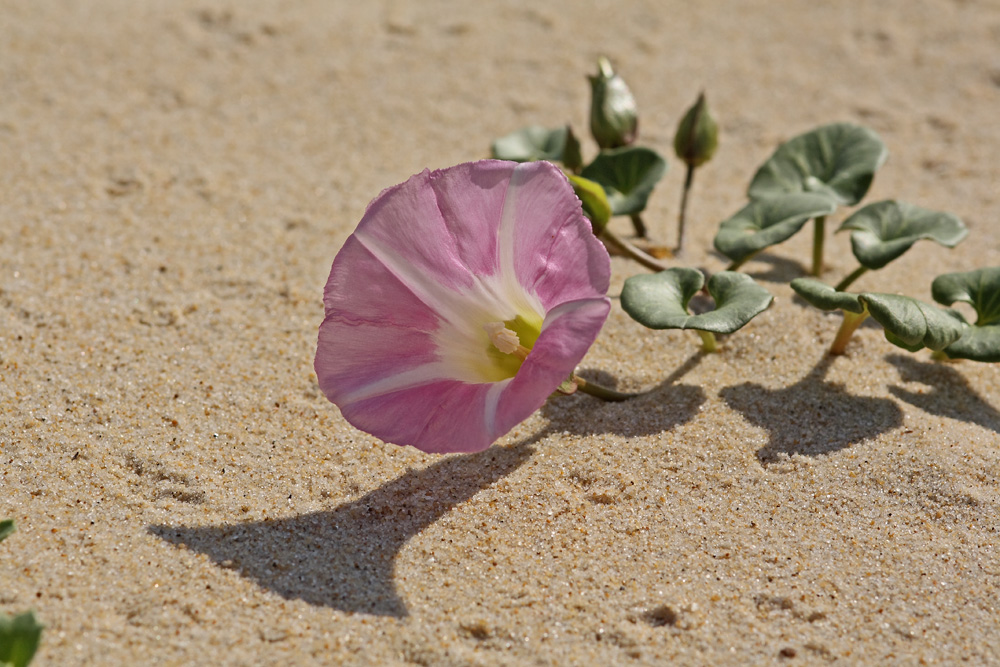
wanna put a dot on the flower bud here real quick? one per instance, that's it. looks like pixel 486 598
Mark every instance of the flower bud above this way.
pixel 594 200
pixel 572 159
pixel 697 135
pixel 613 116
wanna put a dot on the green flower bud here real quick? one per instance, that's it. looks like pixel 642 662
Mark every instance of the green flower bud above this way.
pixel 697 135
pixel 572 159
pixel 613 116
pixel 594 200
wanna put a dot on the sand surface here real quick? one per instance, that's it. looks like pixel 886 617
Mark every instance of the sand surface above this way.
pixel 175 180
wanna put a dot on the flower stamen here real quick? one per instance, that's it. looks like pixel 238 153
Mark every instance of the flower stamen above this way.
pixel 505 340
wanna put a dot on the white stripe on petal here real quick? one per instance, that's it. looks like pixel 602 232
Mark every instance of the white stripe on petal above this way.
pixel 492 401
pixel 414 377
pixel 508 226
pixel 436 296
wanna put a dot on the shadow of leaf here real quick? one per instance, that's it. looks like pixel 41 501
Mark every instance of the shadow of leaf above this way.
pixel 782 270
pixel 950 395
pixel 813 416
pixel 344 558
pixel 660 410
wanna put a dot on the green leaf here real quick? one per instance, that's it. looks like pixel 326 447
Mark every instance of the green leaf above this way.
pixel 885 230
pixel 837 160
pixel 659 301
pixel 825 297
pixel 595 202
pixel 767 222
pixel 532 143
pixel 6 529
pixel 628 176
pixel 912 324
pixel 19 637
pixel 981 290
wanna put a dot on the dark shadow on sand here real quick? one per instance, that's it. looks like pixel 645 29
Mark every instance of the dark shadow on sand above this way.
pixel 662 409
pixel 344 557
pixel 813 416
pixel 782 270
pixel 950 394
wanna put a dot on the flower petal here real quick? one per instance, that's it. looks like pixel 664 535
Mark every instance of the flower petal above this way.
pixel 569 331
pixel 402 350
pixel 554 255
pixel 441 415
pixel 471 200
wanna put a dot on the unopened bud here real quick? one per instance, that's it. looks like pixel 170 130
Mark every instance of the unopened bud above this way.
pixel 614 119
pixel 697 135
pixel 572 159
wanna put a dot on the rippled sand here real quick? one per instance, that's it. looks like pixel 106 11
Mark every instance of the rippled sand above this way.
pixel 175 179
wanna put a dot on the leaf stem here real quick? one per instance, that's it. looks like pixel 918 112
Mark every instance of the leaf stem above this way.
pixel 847 328
pixel 640 226
pixel 682 218
pixel 602 392
pixel 708 342
pixel 846 282
pixel 633 252
pixel 940 355
pixel 819 236
pixel 737 263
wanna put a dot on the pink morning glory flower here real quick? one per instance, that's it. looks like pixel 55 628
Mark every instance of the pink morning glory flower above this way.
pixel 463 299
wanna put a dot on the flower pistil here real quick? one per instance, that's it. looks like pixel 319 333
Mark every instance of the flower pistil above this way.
pixel 506 340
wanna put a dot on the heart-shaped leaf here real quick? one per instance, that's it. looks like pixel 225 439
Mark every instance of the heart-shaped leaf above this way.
pixel 532 143
pixel 595 202
pixel 19 637
pixel 883 231
pixel 981 290
pixel 912 324
pixel 825 297
pixel 837 160
pixel 628 176
pixel 767 222
pixel 659 301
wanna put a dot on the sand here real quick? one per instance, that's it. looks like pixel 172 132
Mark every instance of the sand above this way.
pixel 175 180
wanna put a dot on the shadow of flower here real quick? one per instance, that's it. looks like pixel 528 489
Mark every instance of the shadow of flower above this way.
pixel 813 416
pixel 344 558
pixel 950 395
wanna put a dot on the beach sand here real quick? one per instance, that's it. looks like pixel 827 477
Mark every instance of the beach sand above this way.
pixel 175 180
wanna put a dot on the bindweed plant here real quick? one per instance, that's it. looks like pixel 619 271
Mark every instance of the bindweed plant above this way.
pixel 908 323
pixel 883 231
pixel 467 296
pixel 836 161
pixel 980 289
pixel 660 301
pixel 20 634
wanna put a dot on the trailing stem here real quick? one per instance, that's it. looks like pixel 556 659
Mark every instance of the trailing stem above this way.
pixel 819 236
pixel 682 218
pixel 633 252
pixel 737 263
pixel 847 328
pixel 640 226
pixel 601 392
pixel 846 282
